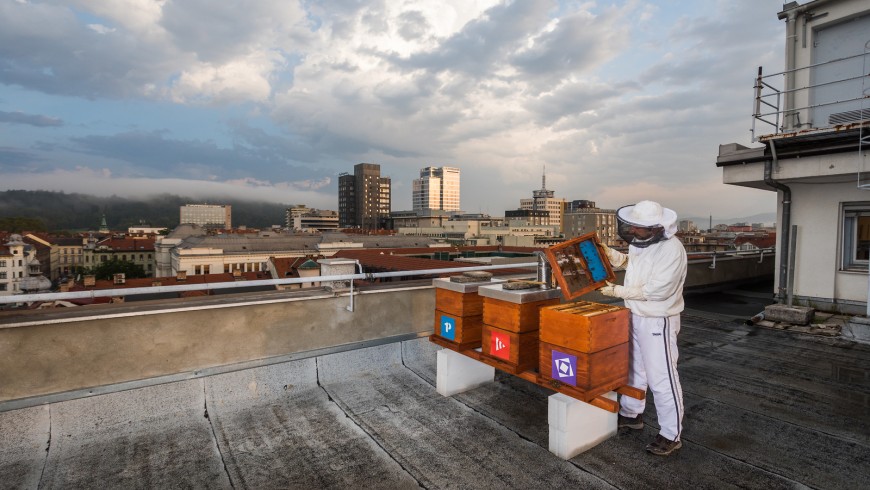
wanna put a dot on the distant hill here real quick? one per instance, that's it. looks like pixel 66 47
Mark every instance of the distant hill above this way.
pixel 61 211
pixel 703 222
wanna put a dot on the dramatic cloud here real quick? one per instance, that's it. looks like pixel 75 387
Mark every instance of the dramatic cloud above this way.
pixel 619 101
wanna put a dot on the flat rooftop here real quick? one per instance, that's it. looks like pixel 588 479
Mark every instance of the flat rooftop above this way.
pixel 765 409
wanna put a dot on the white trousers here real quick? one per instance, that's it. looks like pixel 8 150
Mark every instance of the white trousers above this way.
pixel 654 366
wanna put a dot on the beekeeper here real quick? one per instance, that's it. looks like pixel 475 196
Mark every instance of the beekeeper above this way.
pixel 653 291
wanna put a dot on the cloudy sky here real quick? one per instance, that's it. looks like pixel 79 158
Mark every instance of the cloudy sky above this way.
pixel 272 99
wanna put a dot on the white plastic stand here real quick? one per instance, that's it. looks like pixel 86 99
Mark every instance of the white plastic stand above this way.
pixel 576 426
pixel 457 373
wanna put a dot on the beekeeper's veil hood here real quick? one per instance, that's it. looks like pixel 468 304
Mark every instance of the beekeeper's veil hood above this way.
pixel 645 223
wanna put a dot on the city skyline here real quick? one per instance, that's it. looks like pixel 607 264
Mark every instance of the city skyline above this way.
pixel 620 101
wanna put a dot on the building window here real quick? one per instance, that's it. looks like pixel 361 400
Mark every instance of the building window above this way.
pixel 3 287
pixel 2 275
pixel 2 263
pixel 856 236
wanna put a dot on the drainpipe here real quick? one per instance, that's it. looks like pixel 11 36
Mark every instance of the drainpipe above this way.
pixel 785 221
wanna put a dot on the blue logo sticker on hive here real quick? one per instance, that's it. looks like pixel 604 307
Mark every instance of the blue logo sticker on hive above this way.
pixel 448 327
pixel 565 368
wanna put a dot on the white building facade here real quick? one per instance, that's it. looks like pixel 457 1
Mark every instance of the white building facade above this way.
pixel 437 188
pixel 812 124
pixel 17 265
pixel 207 215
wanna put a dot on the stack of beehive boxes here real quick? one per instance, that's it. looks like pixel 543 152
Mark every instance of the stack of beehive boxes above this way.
pixel 459 312
pixel 511 319
pixel 585 345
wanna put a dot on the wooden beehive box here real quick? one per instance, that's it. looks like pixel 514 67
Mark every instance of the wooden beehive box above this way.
pixel 593 373
pixel 585 327
pixel 464 331
pixel 459 311
pixel 459 304
pixel 515 311
pixel 518 351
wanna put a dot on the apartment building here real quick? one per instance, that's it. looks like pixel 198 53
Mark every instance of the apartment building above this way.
pixel 139 250
pixel 582 220
pixel 18 264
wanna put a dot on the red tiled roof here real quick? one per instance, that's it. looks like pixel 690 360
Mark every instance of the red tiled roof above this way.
pixel 383 261
pixel 128 244
pixel 173 281
pixel 288 266
pixel 760 242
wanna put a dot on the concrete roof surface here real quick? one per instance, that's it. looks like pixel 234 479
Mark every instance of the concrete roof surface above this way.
pixel 764 409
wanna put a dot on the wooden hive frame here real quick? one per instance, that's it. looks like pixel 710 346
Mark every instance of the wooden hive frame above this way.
pixel 579 265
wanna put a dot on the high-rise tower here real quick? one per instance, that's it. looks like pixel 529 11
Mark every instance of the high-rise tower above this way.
pixel 364 197
pixel 437 188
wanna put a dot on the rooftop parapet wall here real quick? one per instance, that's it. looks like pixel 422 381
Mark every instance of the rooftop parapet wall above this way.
pixel 47 353
pixel 50 355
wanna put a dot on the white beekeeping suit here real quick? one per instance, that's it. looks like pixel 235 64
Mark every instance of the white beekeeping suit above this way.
pixel 653 291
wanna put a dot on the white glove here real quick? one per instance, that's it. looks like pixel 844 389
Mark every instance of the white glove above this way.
pixel 617 259
pixel 608 290
pixel 617 291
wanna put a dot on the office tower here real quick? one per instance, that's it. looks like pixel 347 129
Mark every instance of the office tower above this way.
pixel 363 198
pixel 207 215
pixel 437 188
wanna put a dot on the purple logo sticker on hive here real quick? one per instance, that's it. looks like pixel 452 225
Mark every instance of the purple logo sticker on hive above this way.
pixel 448 327
pixel 565 368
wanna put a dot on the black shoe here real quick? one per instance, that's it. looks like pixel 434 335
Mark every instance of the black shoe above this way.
pixel 630 422
pixel 662 446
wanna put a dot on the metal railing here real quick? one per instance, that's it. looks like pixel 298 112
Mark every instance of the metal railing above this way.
pixel 150 290
pixel 102 293
pixel 769 108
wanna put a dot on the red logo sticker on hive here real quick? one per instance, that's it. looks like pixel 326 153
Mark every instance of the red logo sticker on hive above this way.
pixel 500 345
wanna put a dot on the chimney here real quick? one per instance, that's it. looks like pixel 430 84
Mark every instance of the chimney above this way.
pixel 181 276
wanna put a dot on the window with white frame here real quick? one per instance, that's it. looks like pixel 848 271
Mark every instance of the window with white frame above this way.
pixel 856 236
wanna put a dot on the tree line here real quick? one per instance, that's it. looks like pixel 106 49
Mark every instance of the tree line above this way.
pixel 57 211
